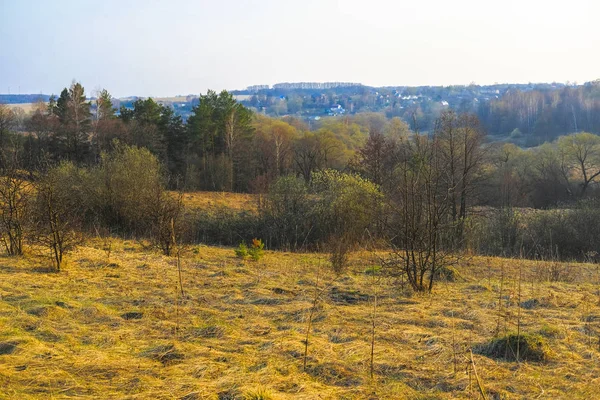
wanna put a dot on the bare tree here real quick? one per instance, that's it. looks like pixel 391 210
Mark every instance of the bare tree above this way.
pixel 307 155
pixel 581 154
pixel 460 145
pixel 420 227
pixel 165 214
pixel 57 212
pixel 42 126
pixel 7 121
pixel 14 207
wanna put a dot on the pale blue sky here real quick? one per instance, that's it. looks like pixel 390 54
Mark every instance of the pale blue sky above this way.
pixel 163 48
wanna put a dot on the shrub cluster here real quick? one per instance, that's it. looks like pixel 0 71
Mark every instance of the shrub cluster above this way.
pixel 558 234
pixel 124 194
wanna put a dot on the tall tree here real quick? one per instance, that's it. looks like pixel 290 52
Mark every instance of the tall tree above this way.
pixel 314 151
pixel 73 111
pixel 221 128
pixel 104 106
pixel 7 120
pixel 142 122
pixel 418 202
pixel 459 139
pixel 42 127
pixel 307 155
pixel 397 129
pixel 156 127
pixel 582 157
pixel 273 146
pixel 175 140
pixel 106 127
pixel 372 159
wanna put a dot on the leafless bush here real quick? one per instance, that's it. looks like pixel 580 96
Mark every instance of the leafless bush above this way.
pixel 166 213
pixel 423 235
pixel 57 211
pixel 554 271
pixel 15 193
pixel 338 257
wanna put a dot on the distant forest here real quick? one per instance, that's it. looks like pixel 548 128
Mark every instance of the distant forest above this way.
pixel 525 114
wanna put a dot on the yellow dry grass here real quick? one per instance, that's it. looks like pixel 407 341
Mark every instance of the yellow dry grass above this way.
pixel 26 107
pixel 217 200
pixel 241 325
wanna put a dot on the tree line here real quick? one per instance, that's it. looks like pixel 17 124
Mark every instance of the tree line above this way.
pixel 536 116
pixel 528 114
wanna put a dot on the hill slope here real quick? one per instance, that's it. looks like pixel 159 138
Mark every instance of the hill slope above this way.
pixel 118 328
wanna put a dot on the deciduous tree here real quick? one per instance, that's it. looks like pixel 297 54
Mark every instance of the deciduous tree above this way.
pixel 581 154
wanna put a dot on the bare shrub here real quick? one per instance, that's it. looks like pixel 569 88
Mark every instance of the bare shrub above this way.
pixel 422 233
pixel 58 209
pixel 338 254
pixel 15 193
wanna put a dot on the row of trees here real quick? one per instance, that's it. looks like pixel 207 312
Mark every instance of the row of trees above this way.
pixel 558 173
pixel 543 115
pixel 222 145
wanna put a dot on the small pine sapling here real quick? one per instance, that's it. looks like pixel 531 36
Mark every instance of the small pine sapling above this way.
pixel 241 251
pixel 256 252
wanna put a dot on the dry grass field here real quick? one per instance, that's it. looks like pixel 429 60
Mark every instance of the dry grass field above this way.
pixel 26 107
pixel 117 327
pixel 216 200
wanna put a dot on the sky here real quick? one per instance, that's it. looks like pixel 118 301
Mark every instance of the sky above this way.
pixel 178 47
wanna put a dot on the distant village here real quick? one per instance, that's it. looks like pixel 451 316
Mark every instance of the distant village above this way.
pixel 315 100
pixel 311 101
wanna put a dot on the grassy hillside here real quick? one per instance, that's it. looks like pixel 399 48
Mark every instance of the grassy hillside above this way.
pixel 117 327
pixel 26 107
pixel 216 200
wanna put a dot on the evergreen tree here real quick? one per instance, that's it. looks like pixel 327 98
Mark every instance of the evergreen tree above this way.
pixel 106 126
pixel 221 129
pixel 71 140
pixel 104 107
pixel 157 128
pixel 61 106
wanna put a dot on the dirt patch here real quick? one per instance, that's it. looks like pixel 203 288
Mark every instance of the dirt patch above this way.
pixel 266 301
pixel 41 311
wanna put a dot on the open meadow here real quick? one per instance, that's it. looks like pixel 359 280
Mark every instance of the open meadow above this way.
pixel 116 325
pixel 307 200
